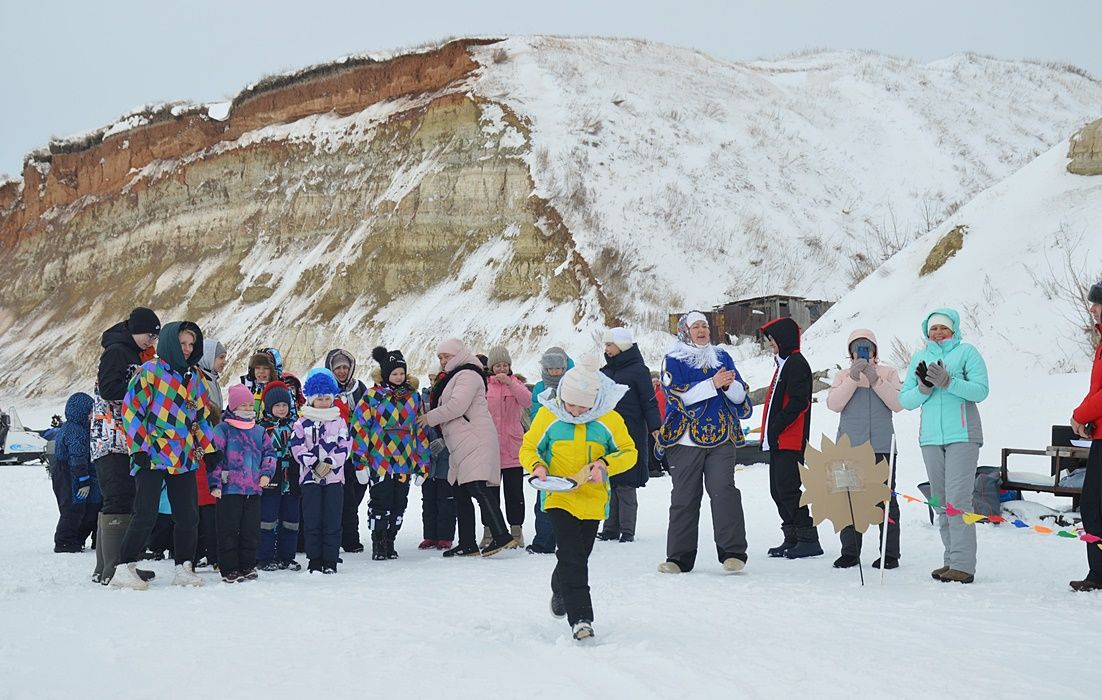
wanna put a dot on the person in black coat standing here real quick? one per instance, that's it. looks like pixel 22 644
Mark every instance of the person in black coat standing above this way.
pixel 786 427
pixel 639 408
pixel 126 345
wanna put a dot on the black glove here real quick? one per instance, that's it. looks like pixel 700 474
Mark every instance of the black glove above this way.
pixel 920 372
pixel 139 460
pixel 211 459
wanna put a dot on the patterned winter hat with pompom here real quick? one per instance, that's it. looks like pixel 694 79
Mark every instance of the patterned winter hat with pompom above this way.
pixel 389 360
pixel 320 384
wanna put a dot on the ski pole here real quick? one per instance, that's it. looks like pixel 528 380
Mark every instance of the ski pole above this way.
pixel 884 534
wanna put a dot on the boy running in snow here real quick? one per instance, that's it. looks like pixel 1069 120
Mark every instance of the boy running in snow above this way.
pixel 237 480
pixel 577 429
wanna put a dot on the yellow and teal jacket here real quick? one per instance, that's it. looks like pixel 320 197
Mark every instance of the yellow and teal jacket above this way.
pixel 564 444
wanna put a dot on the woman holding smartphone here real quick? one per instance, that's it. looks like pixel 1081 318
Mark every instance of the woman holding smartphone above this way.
pixel 867 395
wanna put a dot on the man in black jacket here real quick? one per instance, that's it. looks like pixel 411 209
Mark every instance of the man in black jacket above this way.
pixel 624 365
pixel 124 345
pixel 786 427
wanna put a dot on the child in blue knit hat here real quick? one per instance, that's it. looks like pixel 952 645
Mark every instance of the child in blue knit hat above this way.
pixel 320 444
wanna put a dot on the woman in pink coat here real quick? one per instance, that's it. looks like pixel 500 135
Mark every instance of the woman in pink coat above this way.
pixel 510 401
pixel 458 408
pixel 867 395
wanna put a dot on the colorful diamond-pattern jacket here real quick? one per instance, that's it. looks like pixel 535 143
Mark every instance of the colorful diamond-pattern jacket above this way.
pixel 385 436
pixel 165 416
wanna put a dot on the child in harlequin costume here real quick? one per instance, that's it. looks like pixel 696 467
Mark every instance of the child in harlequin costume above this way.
pixel 166 425
pixel 705 400
pixel 237 481
pixel 320 445
pixel 578 429
pixel 281 502
pixel 389 448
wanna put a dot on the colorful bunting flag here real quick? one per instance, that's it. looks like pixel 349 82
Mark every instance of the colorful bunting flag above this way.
pixel 973 518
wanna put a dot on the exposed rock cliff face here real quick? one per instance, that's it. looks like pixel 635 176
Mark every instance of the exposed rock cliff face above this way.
pixel 1085 150
pixel 290 223
pixel 440 193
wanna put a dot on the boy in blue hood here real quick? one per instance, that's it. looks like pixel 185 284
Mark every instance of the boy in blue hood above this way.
pixel 76 486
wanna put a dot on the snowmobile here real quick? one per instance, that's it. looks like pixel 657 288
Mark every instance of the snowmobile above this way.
pixel 18 445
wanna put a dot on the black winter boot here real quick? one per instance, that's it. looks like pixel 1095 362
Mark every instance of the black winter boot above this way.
pixel 378 547
pixel 110 541
pixel 391 534
pixel 97 574
pixel 788 543
pixel 807 545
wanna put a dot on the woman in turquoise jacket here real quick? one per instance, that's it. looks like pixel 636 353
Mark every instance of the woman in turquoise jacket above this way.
pixel 947 379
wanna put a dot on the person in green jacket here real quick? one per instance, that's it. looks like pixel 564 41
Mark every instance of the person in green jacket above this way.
pixel 947 378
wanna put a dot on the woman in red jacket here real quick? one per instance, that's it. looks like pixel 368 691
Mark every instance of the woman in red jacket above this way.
pixel 1085 421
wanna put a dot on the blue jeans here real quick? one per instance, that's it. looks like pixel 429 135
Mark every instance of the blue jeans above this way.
pixel 279 523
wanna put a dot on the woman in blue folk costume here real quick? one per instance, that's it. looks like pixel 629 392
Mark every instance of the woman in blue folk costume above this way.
pixel 706 399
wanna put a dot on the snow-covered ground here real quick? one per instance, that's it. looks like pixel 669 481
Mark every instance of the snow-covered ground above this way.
pixel 426 627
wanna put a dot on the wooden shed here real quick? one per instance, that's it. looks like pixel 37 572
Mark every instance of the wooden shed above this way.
pixel 743 318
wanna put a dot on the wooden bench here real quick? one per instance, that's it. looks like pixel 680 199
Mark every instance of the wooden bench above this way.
pixel 1062 455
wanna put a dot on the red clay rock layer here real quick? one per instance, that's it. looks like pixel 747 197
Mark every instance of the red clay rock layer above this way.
pixel 102 169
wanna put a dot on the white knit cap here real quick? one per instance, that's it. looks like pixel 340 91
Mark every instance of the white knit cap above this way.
pixel 940 320
pixel 580 386
pixel 621 337
pixel 694 316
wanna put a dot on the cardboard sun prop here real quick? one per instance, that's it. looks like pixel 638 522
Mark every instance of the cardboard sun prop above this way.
pixel 844 484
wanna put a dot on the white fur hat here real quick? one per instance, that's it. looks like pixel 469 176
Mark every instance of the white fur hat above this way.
pixel 621 337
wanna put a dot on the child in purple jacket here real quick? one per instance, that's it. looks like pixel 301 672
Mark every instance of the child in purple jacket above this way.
pixel 237 481
pixel 320 445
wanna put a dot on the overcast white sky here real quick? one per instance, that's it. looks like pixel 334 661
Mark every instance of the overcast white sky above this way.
pixel 71 66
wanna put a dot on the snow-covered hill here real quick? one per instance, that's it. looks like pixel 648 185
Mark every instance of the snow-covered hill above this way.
pixel 531 196
pixel 686 180
pixel 1030 239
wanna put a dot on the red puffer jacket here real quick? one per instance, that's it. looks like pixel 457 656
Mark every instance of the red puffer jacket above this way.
pixel 1090 411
